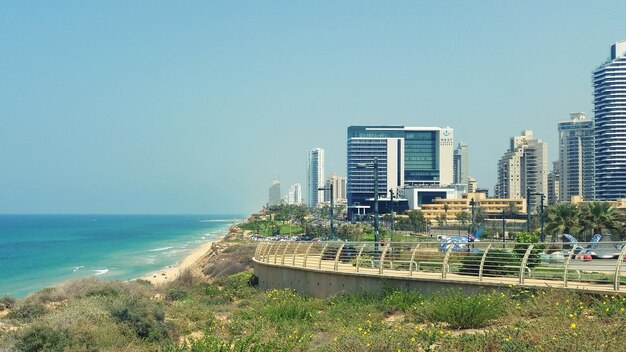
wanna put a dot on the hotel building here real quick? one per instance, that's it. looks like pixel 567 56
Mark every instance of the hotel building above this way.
pixel 406 156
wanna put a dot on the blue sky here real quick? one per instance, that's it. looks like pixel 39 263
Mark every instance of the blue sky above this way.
pixel 194 107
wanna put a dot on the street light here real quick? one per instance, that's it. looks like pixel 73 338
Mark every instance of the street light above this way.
pixel 332 205
pixel 472 203
pixel 373 165
pixel 391 192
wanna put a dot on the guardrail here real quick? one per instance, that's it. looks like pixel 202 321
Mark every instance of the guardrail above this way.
pixel 590 266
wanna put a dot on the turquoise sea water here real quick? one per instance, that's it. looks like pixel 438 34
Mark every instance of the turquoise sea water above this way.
pixel 38 251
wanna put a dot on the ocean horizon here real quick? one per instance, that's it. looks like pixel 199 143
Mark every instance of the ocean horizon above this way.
pixel 42 250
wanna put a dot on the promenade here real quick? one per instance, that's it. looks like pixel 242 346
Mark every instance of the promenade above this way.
pixel 482 264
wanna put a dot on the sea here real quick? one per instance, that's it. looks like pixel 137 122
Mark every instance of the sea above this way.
pixel 39 251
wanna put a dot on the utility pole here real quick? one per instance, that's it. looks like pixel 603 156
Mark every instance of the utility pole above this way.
pixel 391 192
pixel 543 237
pixel 528 209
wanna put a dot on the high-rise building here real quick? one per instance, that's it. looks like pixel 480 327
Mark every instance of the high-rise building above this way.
pixel 315 177
pixel 524 166
pixel 576 154
pixel 406 156
pixel 609 91
pixel 274 193
pixel 461 166
pixel 295 194
pixel 339 189
pixel 554 183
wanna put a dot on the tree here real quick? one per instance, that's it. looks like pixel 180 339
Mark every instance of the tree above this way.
pixel 597 216
pixel 562 218
pixel 417 219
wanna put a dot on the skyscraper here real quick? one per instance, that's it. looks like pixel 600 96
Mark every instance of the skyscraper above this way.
pixel 609 91
pixel 461 166
pixel 405 155
pixel 576 156
pixel 274 193
pixel 295 194
pixel 315 177
pixel 523 166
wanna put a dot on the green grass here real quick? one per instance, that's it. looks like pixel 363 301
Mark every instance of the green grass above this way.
pixel 229 314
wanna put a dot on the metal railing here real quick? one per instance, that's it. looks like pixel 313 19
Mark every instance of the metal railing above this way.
pixel 590 266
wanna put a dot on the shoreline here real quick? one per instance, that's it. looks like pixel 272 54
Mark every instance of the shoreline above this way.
pixel 172 272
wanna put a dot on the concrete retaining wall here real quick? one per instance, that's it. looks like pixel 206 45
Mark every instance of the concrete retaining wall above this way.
pixel 318 283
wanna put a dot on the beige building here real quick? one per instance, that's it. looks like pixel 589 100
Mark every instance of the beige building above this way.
pixel 452 207
pixel 524 166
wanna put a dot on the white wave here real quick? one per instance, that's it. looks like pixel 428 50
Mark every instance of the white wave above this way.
pixel 160 249
pixel 76 268
pixel 219 220
pixel 100 272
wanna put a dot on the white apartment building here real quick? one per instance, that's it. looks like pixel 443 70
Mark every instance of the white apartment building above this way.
pixel 524 166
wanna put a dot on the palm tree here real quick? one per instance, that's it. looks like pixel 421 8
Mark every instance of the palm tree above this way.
pixel 597 216
pixel 562 218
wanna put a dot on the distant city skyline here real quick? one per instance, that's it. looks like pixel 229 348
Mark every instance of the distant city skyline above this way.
pixel 195 108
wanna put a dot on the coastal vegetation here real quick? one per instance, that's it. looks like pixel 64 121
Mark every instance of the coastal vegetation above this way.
pixel 218 310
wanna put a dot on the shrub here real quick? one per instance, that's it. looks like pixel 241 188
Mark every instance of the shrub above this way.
pixel 523 240
pixel 287 310
pixel 185 279
pixel 27 311
pixel 42 338
pixel 238 285
pixel 103 292
pixel 177 294
pixel 7 302
pixel 497 263
pixel 402 300
pixel 461 311
pixel 147 321
pixel 250 343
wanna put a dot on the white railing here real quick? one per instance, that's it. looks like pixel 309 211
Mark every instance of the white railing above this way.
pixel 591 266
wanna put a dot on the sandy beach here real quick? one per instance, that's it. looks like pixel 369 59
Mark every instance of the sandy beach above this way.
pixel 172 272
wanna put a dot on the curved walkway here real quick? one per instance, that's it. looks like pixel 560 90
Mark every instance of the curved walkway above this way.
pixel 488 264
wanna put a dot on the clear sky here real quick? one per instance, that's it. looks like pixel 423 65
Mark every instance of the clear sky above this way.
pixel 194 107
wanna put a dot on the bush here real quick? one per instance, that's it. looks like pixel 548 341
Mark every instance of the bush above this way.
pixel 27 311
pixel 497 263
pixel 7 302
pixel 250 343
pixel 42 338
pixel 461 311
pixel 238 285
pixel 177 294
pixel 523 240
pixel 402 300
pixel 147 321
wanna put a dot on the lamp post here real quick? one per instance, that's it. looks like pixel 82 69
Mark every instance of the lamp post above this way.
pixel 472 204
pixel 332 205
pixel 374 165
pixel 391 192
pixel 528 194
pixel 503 226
